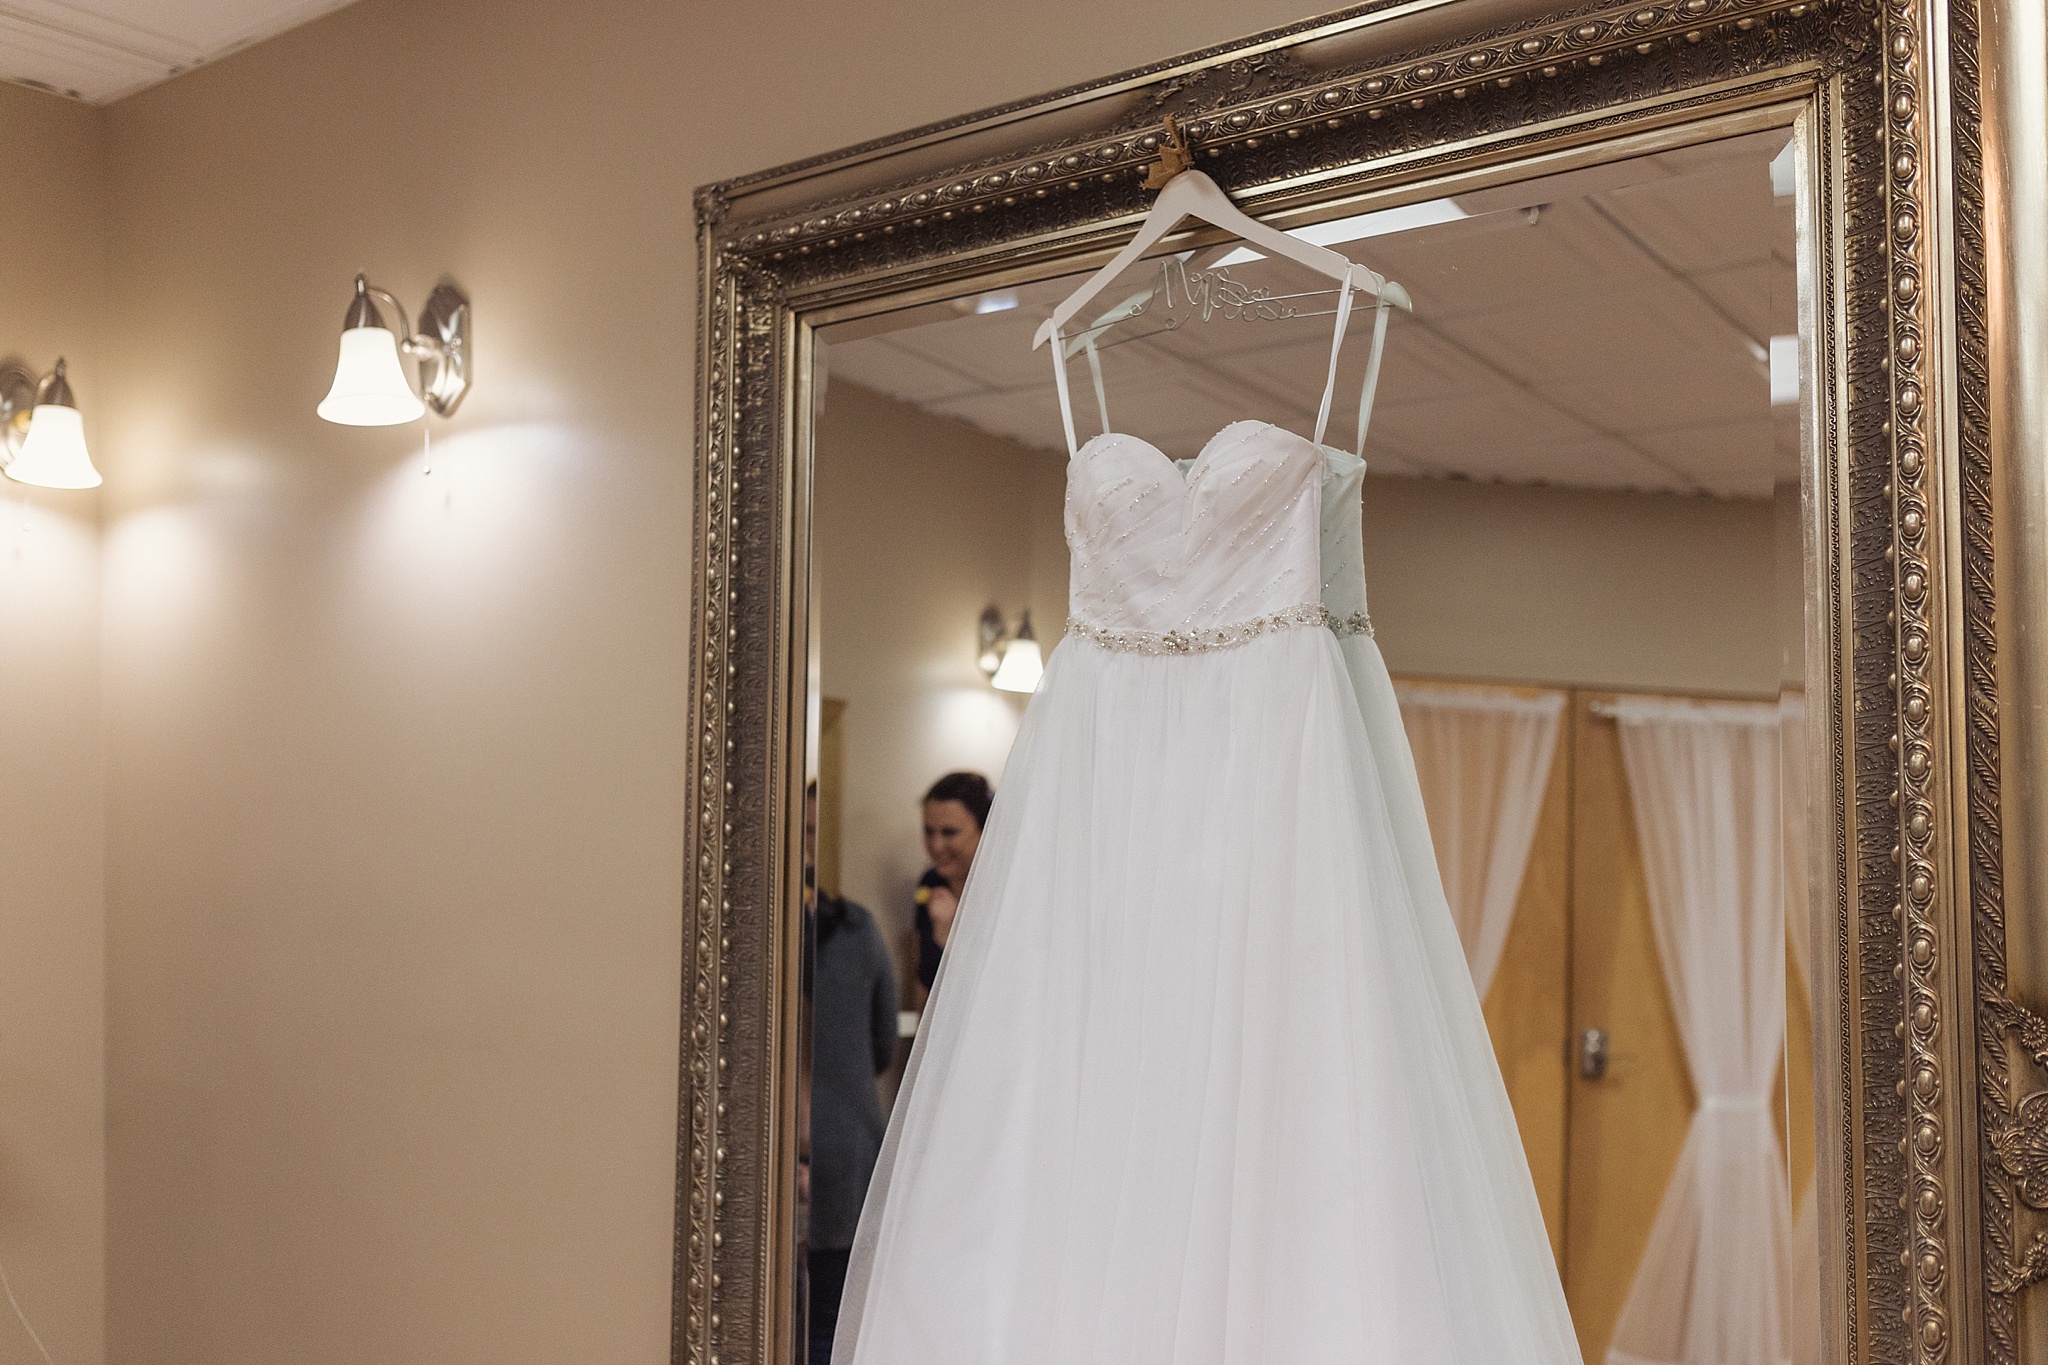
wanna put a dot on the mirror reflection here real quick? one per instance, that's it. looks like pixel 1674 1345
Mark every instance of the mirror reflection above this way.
pixel 1309 811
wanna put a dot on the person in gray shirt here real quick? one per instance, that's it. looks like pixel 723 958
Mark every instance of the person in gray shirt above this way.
pixel 853 1040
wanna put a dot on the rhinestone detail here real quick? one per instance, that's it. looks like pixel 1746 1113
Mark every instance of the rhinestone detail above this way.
pixel 1202 640
pixel 1358 623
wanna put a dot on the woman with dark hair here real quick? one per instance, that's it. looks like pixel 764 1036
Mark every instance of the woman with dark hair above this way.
pixel 955 809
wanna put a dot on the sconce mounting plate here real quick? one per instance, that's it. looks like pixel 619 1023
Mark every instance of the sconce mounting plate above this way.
pixel 18 388
pixel 444 360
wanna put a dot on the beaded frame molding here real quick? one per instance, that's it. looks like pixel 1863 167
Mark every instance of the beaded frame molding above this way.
pixel 1933 1150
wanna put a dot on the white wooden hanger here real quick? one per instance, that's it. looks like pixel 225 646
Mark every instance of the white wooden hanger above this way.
pixel 1191 194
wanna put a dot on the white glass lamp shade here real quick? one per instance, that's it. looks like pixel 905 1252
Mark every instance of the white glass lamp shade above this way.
pixel 1021 668
pixel 53 454
pixel 370 388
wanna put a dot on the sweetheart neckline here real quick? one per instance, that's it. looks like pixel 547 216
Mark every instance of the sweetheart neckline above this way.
pixel 1195 465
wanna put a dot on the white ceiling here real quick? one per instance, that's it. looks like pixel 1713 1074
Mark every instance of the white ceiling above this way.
pixel 1609 343
pixel 100 50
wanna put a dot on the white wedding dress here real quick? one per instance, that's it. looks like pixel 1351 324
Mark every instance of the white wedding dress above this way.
pixel 1203 1080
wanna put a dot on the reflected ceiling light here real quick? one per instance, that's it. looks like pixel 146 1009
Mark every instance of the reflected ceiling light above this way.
pixel 45 436
pixel 995 301
pixel 1784 173
pixel 1784 363
pixel 370 386
pixel 1022 664
pixel 1360 226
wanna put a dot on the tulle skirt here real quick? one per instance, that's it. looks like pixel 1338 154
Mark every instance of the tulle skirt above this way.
pixel 1203 1080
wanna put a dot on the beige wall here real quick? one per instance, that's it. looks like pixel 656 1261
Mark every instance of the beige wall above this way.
pixel 921 522
pixel 1592 589
pixel 52 914
pixel 396 779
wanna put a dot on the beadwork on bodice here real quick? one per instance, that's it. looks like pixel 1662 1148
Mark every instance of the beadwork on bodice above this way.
pixel 1259 532
pixel 1166 562
pixel 1343 542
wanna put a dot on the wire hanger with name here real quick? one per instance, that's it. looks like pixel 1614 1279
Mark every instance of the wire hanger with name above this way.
pixel 1189 193
pixel 1185 192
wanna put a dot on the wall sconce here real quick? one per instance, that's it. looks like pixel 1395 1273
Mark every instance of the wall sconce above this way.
pixel 1013 662
pixel 45 436
pixel 370 388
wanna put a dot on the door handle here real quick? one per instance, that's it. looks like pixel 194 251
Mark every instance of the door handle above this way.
pixel 1592 1052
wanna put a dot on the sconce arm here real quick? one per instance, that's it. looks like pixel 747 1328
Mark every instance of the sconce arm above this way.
pixel 19 388
pixel 441 348
pixel 411 342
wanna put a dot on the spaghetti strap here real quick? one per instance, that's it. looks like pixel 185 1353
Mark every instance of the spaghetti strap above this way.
pixel 1336 347
pixel 1344 303
pixel 1059 379
pixel 1370 388
pixel 1095 372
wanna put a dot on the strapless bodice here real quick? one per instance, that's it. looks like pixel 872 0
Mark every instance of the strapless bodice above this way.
pixel 1232 542
pixel 1343 540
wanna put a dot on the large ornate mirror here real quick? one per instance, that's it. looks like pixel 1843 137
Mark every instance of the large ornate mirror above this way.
pixel 1659 432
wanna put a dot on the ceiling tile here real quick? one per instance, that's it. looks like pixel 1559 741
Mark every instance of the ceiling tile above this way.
pixel 1445 435
pixel 1294 375
pixel 1030 419
pixel 993 347
pixel 209 25
pixel 1421 365
pixel 1559 351
pixel 1718 216
pixel 1156 371
pixel 1380 460
pixel 1269 303
pixel 1417 366
pixel 1719 389
pixel 1745 293
pixel 100 50
pixel 1735 460
pixel 69 63
pixel 1501 261
pixel 1178 416
pixel 1602 462
pixel 1613 335
pixel 879 364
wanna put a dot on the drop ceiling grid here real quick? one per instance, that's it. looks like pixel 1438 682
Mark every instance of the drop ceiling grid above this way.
pixel 101 50
pixel 1610 339
pixel 62 60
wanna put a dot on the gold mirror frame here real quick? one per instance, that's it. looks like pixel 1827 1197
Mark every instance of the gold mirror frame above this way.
pixel 1934 1149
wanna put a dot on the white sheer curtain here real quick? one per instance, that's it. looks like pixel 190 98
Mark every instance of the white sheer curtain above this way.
pixel 1804 1323
pixel 1483 758
pixel 1703 780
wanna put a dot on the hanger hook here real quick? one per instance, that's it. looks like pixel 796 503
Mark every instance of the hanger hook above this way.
pixel 1174 158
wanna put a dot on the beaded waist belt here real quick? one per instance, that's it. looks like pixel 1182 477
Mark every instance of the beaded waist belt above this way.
pixel 1203 639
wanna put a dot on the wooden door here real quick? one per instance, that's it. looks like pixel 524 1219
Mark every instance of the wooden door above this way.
pixel 1582 955
pixel 1626 1127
